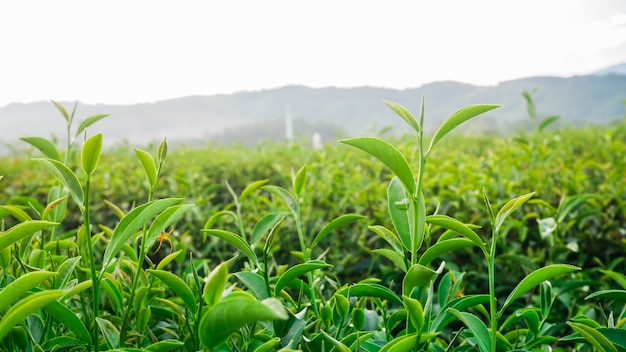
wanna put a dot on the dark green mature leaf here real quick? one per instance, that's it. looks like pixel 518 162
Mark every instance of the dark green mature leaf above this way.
pixel 444 317
pixel 21 286
pixel 296 271
pixel 66 177
pixel 476 326
pixel 458 118
pixel 393 256
pixel 22 230
pixel 233 313
pixel 132 222
pixel 177 285
pixel 616 336
pixel 405 114
pixel 88 122
pixel 234 240
pixel 370 290
pixel 254 282
pixel 341 220
pixel 613 295
pixel 388 155
pixel 45 146
pixel 63 343
pixel 90 154
pixel 149 166
pixel 593 337
pixel 25 307
pixel 535 278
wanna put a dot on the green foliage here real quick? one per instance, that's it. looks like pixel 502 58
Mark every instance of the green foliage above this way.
pixel 394 249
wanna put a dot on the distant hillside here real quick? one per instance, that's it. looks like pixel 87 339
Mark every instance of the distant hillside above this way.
pixel 588 99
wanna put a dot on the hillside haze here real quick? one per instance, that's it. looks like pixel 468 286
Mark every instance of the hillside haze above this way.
pixel 579 100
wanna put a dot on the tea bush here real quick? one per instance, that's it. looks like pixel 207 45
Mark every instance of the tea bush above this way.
pixel 414 243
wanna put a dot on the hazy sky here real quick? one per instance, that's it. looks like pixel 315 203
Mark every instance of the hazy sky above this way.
pixel 141 51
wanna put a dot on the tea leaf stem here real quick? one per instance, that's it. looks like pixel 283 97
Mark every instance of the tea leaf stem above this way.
pixel 94 278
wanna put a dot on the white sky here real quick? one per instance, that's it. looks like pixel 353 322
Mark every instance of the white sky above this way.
pixel 140 51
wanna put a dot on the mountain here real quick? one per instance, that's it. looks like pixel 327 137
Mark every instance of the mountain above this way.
pixel 580 100
pixel 619 69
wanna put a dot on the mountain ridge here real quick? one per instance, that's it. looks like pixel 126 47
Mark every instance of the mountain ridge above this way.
pixel 353 111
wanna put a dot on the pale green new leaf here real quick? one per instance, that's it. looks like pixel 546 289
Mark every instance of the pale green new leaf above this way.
pixel 132 222
pixel 510 207
pixel 62 110
pixel 149 166
pixel 90 154
pixel 458 118
pixel 400 209
pixel 66 177
pixel 443 247
pixel 251 188
pixel 417 276
pixel 388 155
pixel 296 271
pixel 388 236
pixel 331 226
pixel 165 346
pixel 338 345
pixel 284 196
pixel 393 256
pixel 45 146
pixel 234 240
pixel 177 285
pixel 299 181
pixel 613 295
pixel 214 287
pixel 404 113
pixel 25 307
pixel 165 219
pixel 593 336
pixel 22 230
pixel 88 122
pixel 370 290
pixel 416 311
pixel 21 286
pixel 535 278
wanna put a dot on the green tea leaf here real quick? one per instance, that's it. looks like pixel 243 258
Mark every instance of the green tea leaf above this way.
pixel 110 332
pixel 547 122
pixel 404 113
pixel 417 276
pixel 177 285
pixel 388 236
pixel 264 226
pixel 90 154
pixel 88 122
pixel 65 271
pixel 22 230
pixel 393 256
pixel 165 219
pixel 66 177
pixel 510 207
pixel 616 336
pixel 25 307
pixel 444 317
pixel 162 151
pixel 62 110
pixel 613 295
pixel 299 181
pixel 593 336
pixel 234 240
pixel 331 226
pixel 416 312
pixel 231 314
pixel 132 222
pixel 269 345
pixel 45 146
pixel 476 326
pixel 400 211
pixel 62 343
pixel 456 119
pixel 336 343
pixel 214 287
pixel 254 282
pixel 168 259
pixel 61 313
pixel 455 225
pixel 149 166
pixel 16 212
pixel 388 155
pixel 164 346
pixel 284 196
pixel 442 247
pixel 251 188
pixel 370 290
pixel 21 286
pixel 535 278
pixel 296 271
